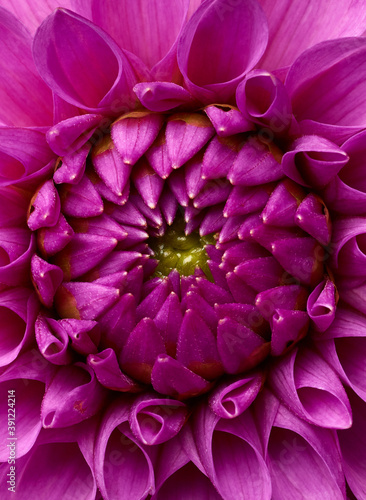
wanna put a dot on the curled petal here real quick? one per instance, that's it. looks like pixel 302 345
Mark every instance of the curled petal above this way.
pixel 214 30
pixel 338 66
pixel 52 340
pixel 162 96
pixel 16 248
pixel 322 303
pixel 263 99
pixel 231 453
pixel 44 210
pixel 108 372
pixel 123 469
pixel 313 161
pixel 228 120
pixel 82 64
pixel 73 395
pixel 312 390
pixel 17 67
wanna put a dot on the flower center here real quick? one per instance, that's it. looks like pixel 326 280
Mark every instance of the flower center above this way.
pixel 180 251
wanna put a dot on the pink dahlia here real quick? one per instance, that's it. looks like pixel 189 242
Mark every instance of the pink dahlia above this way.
pixel 183 249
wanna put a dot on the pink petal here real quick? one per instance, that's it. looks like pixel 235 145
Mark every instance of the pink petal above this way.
pixel 295 26
pixel 149 31
pixel 215 30
pixel 162 96
pixel 95 76
pixel 17 67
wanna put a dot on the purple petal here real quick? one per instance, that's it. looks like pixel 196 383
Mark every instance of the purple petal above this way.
pixel 81 200
pixel 263 99
pixel 149 31
pixel 72 167
pixel 231 453
pixel 320 105
pixel 228 120
pixel 84 300
pixel 46 278
pixel 108 372
pixel 18 310
pixel 322 303
pixel 73 395
pixel 51 240
pixel 295 26
pixel 44 207
pixel 23 152
pixel 134 134
pixel 84 335
pixel 172 378
pixel 230 399
pixel 211 33
pixel 313 161
pixel 148 183
pixel 162 96
pixel 142 348
pixel 70 135
pixel 312 390
pixel 219 156
pixel 17 67
pixel 90 52
pixel 282 205
pixel 123 468
pixel 52 340
pixel 154 420
pixel 303 458
pixel 313 217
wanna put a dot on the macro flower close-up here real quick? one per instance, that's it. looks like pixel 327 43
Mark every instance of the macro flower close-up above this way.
pixel 183 249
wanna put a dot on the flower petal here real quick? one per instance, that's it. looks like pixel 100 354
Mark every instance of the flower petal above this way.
pixel 215 30
pixel 295 26
pixel 82 64
pixel 17 67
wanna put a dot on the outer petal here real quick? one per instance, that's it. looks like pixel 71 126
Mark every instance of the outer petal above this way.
pixel 215 30
pixel 32 12
pixel 230 451
pixel 21 105
pixel 123 469
pixel 295 25
pixel 82 64
pixel 327 87
pixel 149 29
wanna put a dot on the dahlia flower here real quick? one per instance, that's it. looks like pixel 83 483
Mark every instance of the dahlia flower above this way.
pixel 183 249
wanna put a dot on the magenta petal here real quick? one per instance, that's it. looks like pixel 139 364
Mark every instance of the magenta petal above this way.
pixel 71 134
pixel 255 165
pixel 197 348
pixel 321 305
pixel 228 120
pixel 81 200
pixel 123 469
pixel 312 390
pixel 142 348
pixel 18 311
pixel 110 167
pixel 13 206
pixel 17 67
pixel 169 320
pixel 154 420
pixel 90 52
pixel 162 96
pixel 240 348
pixel 46 278
pixel 321 106
pixel 303 456
pixel 185 135
pixel 211 33
pixel 288 327
pixel 23 153
pixel 348 246
pixel 84 334
pixel 230 399
pixel 52 340
pixel 147 183
pixel 84 300
pixel 172 378
pixel 263 99
pixel 187 482
pixel 17 246
pixel 282 204
pixel 53 239
pixel 291 32
pixel 283 297
pixel 134 134
pixel 313 161
pixel 149 31
pixel 352 443
pixel 73 395
pixel 219 156
pixel 231 453
pixel 45 207
pixel 72 167
pixel 108 372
